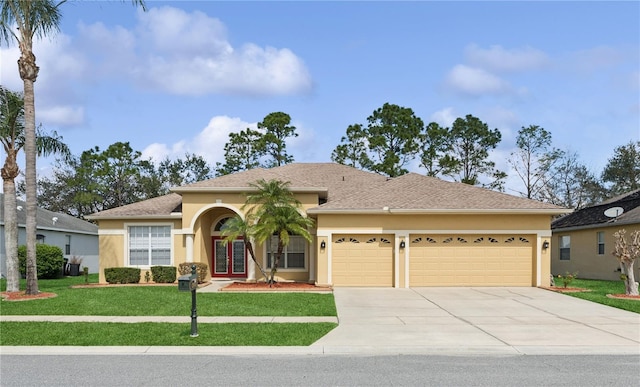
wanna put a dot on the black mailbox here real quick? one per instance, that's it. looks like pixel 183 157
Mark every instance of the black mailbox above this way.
pixel 187 283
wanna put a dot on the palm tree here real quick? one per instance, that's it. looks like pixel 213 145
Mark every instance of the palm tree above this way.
pixel 237 227
pixel 37 18
pixel 12 137
pixel 277 213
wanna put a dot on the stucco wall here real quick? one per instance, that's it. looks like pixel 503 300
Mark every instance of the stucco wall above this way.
pixel 584 257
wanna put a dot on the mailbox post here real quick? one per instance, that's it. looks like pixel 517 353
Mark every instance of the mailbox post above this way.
pixel 190 283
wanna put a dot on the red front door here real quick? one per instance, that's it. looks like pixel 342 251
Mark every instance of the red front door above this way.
pixel 229 260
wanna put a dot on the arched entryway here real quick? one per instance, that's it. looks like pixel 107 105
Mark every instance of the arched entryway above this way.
pixel 229 259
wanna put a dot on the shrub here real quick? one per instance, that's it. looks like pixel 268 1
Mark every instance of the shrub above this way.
pixel 49 260
pixel 201 270
pixel 163 274
pixel 122 275
pixel 567 278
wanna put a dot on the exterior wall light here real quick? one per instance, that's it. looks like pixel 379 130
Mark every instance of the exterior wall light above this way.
pixel 323 244
pixel 545 245
pixel 402 244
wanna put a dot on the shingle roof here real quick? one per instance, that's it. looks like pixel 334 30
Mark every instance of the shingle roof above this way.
pixel 161 206
pixel 348 189
pixel 594 216
pixel 417 193
pixel 45 219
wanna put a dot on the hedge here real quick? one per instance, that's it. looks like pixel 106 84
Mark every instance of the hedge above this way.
pixel 49 260
pixel 163 274
pixel 122 275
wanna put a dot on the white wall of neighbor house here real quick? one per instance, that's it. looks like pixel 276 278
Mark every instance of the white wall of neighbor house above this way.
pixel 84 246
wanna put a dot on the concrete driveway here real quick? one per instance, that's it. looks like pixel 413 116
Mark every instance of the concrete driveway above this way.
pixel 477 321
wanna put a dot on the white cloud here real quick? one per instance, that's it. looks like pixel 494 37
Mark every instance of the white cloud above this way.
pixel 183 53
pixel 444 117
pixel 57 103
pixel 475 81
pixel 498 59
pixel 209 143
pixel 62 115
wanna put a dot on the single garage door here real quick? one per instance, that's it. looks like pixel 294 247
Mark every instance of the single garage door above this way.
pixel 362 260
pixel 471 260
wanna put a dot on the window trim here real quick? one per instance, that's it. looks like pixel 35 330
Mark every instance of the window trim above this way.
pixel 600 251
pixel 562 249
pixel 127 239
pixel 285 257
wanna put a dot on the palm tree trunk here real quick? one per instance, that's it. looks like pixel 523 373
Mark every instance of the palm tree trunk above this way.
pixel 274 267
pixel 11 234
pixel 28 75
pixel 253 256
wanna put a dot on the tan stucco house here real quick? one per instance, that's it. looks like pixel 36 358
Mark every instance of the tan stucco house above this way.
pixel 584 239
pixel 370 230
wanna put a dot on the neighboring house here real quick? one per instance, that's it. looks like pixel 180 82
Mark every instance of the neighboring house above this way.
pixel 74 236
pixel 370 230
pixel 584 239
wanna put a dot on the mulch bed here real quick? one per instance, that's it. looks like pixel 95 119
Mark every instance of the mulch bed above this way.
pixel 564 290
pixel 278 286
pixel 21 296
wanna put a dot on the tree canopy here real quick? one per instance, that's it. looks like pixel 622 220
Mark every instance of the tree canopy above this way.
pixel 468 160
pixel 622 171
pixel 98 180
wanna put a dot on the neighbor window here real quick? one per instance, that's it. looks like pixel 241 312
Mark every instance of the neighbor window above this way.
pixel 149 245
pixel 292 255
pixel 565 247
pixel 39 238
pixel 67 244
pixel 600 242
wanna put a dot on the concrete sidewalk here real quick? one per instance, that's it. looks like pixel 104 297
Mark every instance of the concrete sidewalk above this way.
pixel 176 319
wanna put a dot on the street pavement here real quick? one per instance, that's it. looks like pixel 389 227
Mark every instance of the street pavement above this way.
pixel 433 321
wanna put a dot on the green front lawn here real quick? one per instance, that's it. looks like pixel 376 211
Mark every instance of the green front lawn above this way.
pixel 598 293
pixel 161 334
pixel 163 301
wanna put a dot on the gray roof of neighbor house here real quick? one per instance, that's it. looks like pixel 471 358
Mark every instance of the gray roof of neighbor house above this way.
pixel 344 189
pixel 594 216
pixel 49 220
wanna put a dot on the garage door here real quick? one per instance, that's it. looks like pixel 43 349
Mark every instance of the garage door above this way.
pixel 470 260
pixel 362 260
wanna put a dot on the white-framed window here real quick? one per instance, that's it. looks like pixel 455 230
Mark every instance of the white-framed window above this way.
pixel 600 236
pixel 293 256
pixel 149 245
pixel 565 248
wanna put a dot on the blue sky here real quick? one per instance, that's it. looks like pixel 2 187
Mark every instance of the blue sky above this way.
pixel 181 76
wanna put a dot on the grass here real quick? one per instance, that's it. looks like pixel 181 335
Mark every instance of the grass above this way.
pixel 164 301
pixel 598 293
pixel 161 334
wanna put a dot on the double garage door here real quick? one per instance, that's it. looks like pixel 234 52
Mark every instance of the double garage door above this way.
pixel 434 260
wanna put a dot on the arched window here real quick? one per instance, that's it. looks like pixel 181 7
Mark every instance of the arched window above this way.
pixel 220 225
